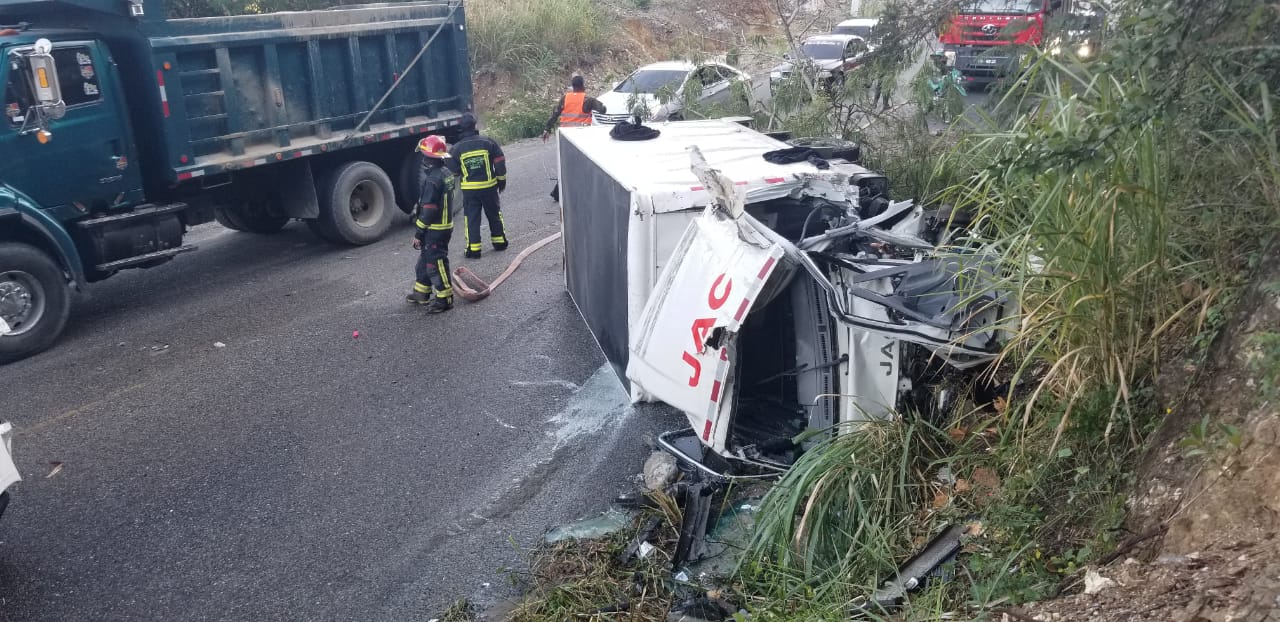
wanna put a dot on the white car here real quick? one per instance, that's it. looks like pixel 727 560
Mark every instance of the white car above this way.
pixel 858 26
pixel 672 78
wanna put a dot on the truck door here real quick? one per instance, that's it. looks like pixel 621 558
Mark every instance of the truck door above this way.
pixel 88 162
pixel 684 350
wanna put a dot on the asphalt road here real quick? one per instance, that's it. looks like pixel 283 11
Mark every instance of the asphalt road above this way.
pixel 298 472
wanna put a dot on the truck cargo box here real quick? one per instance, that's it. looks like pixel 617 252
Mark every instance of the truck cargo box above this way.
pixel 626 204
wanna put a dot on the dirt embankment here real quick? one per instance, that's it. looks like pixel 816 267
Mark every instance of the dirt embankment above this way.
pixel 1209 488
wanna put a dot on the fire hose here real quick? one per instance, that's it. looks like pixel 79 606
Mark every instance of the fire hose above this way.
pixel 472 288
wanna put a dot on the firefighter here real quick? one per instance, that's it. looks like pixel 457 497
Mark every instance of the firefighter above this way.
pixel 483 171
pixel 573 109
pixel 434 221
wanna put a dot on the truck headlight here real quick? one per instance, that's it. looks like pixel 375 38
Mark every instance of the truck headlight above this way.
pixel 950 55
pixel 775 75
pixel 1055 46
pixel 1084 51
pixel 824 74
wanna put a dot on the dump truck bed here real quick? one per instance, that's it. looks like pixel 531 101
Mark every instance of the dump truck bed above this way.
pixel 275 86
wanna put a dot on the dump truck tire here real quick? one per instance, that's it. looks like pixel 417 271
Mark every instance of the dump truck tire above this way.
pixel 35 301
pixel 227 218
pixel 249 218
pixel 409 183
pixel 356 200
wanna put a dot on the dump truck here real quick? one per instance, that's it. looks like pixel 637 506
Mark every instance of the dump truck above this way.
pixel 125 129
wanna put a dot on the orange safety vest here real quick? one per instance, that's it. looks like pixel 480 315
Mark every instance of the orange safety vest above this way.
pixel 573 112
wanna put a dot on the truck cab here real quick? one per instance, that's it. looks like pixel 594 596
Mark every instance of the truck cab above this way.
pixel 984 38
pixel 77 157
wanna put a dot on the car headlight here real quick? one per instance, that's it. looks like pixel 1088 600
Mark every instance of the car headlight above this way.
pixel 775 75
pixel 825 73
pixel 1084 51
pixel 950 55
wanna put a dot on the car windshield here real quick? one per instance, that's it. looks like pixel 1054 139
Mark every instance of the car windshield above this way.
pixel 651 80
pixel 823 50
pixel 1007 7
pixel 861 31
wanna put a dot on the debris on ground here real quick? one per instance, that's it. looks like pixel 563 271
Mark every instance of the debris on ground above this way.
pixel 608 523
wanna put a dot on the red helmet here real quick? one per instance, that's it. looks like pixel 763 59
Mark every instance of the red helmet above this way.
pixel 433 147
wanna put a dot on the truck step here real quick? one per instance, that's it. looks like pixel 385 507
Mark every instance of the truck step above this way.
pixel 142 211
pixel 142 259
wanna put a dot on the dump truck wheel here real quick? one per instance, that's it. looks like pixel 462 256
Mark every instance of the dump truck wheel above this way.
pixel 262 214
pixel 227 218
pixel 34 301
pixel 409 182
pixel 356 202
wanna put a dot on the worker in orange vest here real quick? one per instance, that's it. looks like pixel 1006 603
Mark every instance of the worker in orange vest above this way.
pixel 573 109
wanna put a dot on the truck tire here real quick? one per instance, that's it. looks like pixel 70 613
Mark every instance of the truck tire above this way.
pixel 227 218
pixel 251 216
pixel 409 183
pixel 35 301
pixel 355 203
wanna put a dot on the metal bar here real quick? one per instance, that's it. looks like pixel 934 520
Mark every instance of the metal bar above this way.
pixel 447 20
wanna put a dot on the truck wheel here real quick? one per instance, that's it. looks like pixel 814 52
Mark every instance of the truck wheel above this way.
pixel 34 301
pixel 356 202
pixel 409 182
pixel 227 218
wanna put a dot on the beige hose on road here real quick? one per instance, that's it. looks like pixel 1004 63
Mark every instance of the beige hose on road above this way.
pixel 473 289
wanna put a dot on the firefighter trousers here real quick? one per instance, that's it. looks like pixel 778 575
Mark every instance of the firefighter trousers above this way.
pixel 432 270
pixel 473 203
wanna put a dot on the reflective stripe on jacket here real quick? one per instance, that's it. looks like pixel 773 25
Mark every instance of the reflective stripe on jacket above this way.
pixel 574 113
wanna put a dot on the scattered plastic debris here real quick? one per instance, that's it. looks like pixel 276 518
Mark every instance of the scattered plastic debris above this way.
pixel 355 334
pixel 4 327
pixel 57 468
pixel 646 549
pixel 660 469
pixel 590 528
pixel 1094 582
pixel 219 344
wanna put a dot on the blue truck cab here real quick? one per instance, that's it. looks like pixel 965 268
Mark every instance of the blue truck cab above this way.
pixel 123 129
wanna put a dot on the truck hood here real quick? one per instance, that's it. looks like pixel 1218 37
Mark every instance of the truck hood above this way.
pixel 821 65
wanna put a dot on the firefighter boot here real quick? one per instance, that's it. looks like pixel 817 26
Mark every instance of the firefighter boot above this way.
pixel 500 246
pixel 470 254
pixel 440 304
pixel 418 298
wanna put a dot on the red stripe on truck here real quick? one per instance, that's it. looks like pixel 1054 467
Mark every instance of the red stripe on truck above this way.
pixel 706 431
pixel 164 95
pixel 764 271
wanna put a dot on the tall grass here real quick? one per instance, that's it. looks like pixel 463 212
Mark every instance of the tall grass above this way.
pixel 843 516
pixel 536 35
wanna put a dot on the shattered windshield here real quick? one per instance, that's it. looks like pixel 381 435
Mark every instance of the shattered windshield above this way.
pixel 1004 7
pixel 650 81
pixel 824 50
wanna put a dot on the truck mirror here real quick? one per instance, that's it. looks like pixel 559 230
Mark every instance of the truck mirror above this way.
pixel 44 77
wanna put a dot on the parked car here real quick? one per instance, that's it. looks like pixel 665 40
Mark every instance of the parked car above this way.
pixel 860 27
pixel 672 78
pixel 831 55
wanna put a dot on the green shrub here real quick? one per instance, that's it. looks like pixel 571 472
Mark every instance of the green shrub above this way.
pixel 523 117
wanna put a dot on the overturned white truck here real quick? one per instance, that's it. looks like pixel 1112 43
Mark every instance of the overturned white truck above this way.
pixel 761 299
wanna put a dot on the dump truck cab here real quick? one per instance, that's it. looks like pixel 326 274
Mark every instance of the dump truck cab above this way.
pixel 73 157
